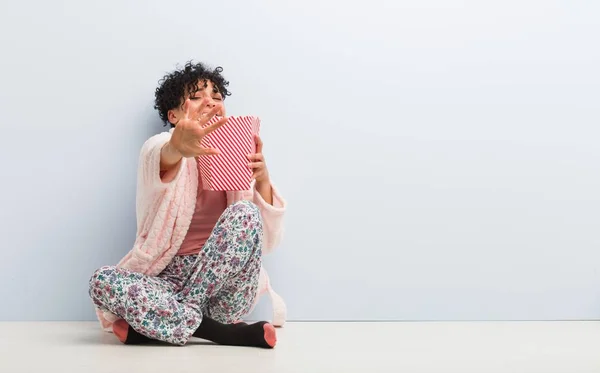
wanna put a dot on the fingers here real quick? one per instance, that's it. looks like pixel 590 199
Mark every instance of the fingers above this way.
pixel 216 125
pixel 199 108
pixel 254 165
pixel 259 144
pixel 256 157
pixel 186 108
pixel 193 112
pixel 258 166
pixel 258 174
pixel 211 113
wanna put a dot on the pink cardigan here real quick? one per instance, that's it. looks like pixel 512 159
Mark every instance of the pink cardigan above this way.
pixel 164 212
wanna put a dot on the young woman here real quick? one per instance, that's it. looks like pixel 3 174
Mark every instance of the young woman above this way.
pixel 195 266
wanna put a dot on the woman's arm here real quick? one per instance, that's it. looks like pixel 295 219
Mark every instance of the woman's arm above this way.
pixel 170 157
pixel 265 191
pixel 187 137
pixel 272 214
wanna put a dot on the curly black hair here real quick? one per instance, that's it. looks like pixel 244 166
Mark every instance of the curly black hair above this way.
pixel 175 86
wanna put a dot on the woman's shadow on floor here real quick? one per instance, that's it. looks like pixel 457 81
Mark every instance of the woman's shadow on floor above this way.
pixel 107 339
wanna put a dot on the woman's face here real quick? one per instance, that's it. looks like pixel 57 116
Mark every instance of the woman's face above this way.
pixel 207 90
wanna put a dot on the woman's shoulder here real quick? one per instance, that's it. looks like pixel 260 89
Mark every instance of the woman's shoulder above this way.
pixel 161 136
pixel 156 140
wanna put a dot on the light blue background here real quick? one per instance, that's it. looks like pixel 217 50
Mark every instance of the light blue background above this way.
pixel 440 158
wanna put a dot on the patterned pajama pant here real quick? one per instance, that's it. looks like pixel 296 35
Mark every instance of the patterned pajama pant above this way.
pixel 220 282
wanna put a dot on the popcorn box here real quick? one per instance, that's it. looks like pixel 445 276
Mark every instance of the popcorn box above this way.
pixel 229 170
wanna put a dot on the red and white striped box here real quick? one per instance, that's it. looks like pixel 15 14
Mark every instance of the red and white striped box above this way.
pixel 229 170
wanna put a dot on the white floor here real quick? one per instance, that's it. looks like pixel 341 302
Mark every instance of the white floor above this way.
pixel 481 347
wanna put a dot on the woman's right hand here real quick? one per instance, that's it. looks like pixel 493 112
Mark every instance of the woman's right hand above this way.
pixel 189 131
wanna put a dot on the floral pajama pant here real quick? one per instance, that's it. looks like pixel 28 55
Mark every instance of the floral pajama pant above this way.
pixel 220 282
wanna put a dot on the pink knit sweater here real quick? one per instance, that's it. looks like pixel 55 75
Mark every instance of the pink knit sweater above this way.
pixel 164 212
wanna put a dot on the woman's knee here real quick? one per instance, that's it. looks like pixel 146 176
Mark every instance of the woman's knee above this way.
pixel 242 209
pixel 100 276
pixel 240 226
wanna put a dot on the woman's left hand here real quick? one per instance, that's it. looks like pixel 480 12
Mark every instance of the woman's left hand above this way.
pixel 257 163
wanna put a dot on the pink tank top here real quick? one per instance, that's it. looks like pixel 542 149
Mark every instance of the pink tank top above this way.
pixel 209 208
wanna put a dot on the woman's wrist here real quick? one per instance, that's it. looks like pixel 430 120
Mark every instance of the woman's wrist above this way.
pixel 169 156
pixel 263 187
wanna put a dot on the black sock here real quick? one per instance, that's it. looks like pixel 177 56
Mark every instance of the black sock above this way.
pixel 261 334
pixel 135 338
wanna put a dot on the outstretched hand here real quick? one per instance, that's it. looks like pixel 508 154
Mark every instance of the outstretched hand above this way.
pixel 189 130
